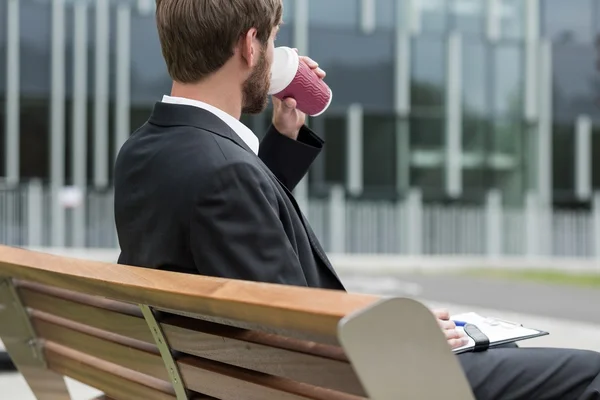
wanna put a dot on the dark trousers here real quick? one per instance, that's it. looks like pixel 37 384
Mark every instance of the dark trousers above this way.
pixel 513 373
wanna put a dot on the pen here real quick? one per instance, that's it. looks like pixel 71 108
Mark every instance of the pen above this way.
pixel 460 323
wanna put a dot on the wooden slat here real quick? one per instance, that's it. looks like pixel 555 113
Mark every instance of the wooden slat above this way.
pixel 131 354
pixel 308 362
pixel 122 324
pixel 117 382
pixel 308 310
pixel 212 378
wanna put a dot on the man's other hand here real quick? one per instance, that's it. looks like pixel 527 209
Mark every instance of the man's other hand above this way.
pixel 287 119
pixel 456 338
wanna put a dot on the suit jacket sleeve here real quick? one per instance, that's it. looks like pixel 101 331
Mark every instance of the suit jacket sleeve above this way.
pixel 236 232
pixel 290 159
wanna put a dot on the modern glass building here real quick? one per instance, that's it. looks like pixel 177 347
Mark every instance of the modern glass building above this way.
pixel 454 97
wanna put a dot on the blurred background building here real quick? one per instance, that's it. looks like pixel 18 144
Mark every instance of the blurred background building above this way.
pixel 457 126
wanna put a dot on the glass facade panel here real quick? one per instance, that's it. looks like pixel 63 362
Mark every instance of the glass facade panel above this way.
pixel 428 74
pixel 288 11
pixel 379 154
pixel 149 77
pixel 596 159
pixel 35 33
pixel 468 16
pixel 359 67
pixel 512 19
pixel 568 21
pixel 563 165
pixel 475 78
pixel 335 153
pixel 385 13
pixel 334 13
pixel 576 81
pixel 433 15
pixel 3 21
pixel 508 65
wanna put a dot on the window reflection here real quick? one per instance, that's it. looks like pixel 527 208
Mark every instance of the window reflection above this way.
pixel 359 67
pixel 576 81
pixel 379 151
pixel 508 80
pixel 428 73
pixel 334 13
pixel 568 21
pixel 512 18
pixel 149 77
pixel 468 15
pixel 475 77
pixel 596 159
pixel 563 160
pixel 385 13
pixel 35 29
pixel 433 15
pixel 2 88
pixel 335 155
pixel 427 155
pixel 288 11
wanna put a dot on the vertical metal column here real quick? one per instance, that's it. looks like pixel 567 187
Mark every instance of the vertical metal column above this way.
pixel 354 157
pixel 301 40
pixel 79 133
pixel 544 145
pixel 413 231
pixel 583 157
pixel 494 238
pixel 367 16
pixel 12 91
pixel 402 68
pixel 35 203
pixel 123 68
pixel 532 37
pixel 454 116
pixel 493 20
pixel 57 123
pixel 101 95
pixel 337 220
pixel 596 222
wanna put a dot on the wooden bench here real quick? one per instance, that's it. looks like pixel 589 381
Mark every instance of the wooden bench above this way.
pixel 135 333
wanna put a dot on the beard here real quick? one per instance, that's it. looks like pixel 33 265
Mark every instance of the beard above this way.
pixel 256 88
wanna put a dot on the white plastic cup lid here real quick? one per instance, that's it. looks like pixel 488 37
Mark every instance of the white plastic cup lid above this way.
pixel 284 68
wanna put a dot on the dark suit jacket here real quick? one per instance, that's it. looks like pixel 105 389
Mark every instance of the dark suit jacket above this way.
pixel 190 196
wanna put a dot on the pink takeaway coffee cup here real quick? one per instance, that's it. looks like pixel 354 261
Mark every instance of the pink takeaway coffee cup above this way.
pixel 290 77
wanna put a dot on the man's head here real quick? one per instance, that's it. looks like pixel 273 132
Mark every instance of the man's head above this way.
pixel 230 38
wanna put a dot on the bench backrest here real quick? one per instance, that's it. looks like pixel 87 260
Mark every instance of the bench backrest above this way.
pixel 139 333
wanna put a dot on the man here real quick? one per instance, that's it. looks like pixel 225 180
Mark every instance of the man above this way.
pixel 196 193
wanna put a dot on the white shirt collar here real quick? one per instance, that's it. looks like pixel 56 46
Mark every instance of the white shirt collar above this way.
pixel 242 130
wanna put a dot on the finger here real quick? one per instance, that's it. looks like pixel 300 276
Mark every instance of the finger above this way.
pixel 446 324
pixel 442 313
pixel 290 103
pixel 296 50
pixel 310 62
pixel 320 73
pixel 453 334
pixel 456 343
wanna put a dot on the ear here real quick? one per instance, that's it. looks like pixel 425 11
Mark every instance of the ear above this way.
pixel 247 47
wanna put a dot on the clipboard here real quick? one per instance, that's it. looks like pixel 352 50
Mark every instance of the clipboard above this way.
pixel 486 333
